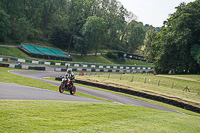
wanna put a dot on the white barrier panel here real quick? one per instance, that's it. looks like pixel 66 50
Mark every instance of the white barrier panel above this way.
pixel 113 70
pixel 115 67
pixel 66 64
pixel 149 68
pixel 58 64
pixel 77 65
pixel 12 65
pixel 127 67
pixel 105 70
pixel 84 65
pixel 133 67
pixel 1 59
pixel 144 68
pixel 21 60
pixel 128 71
pixel 93 66
pixel 24 67
pixel 138 68
pixel 47 63
pixel 58 69
pixel 36 62
pixel 107 66
pixel 121 67
pixel 79 69
pixel 100 66
pixel 88 70
pixel 97 70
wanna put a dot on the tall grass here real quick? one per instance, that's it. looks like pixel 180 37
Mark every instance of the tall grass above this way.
pixel 157 85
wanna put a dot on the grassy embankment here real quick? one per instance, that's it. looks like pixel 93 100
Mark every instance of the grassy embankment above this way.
pixel 149 84
pixel 73 117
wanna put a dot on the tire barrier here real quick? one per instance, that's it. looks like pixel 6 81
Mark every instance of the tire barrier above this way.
pixel 144 95
pixel 40 68
pixel 59 78
pixel 4 65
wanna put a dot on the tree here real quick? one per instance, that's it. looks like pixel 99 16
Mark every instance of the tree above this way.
pixel 4 25
pixel 180 33
pixel 149 50
pixel 94 31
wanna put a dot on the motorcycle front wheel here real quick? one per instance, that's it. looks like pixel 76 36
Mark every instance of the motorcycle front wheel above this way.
pixel 61 89
pixel 73 90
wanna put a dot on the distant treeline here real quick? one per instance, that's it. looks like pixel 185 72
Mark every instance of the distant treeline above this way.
pixel 81 25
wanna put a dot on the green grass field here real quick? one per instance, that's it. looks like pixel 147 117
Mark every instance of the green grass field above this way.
pixel 74 117
pixel 149 84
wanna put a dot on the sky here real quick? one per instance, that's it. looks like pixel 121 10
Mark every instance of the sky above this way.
pixel 152 12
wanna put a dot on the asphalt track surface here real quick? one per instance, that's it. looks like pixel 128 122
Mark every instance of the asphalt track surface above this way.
pixel 31 93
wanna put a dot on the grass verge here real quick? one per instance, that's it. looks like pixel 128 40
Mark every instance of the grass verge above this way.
pixel 73 117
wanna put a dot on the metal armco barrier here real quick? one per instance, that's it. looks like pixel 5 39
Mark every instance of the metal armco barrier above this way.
pixel 144 95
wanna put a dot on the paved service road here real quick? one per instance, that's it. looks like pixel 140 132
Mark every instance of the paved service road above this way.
pixel 105 95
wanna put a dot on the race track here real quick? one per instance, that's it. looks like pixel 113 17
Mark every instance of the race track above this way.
pixel 38 75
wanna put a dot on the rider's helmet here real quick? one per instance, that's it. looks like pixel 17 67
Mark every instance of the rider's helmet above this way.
pixel 69 71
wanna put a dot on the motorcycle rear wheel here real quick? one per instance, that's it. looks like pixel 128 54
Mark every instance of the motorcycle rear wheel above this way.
pixel 73 90
pixel 61 89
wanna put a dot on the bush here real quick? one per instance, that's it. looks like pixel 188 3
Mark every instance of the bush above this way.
pixel 111 55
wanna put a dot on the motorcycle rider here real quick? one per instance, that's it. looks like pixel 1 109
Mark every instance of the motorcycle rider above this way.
pixel 69 74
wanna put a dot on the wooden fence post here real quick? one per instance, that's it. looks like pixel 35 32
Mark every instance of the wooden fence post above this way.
pixel 132 79
pixel 172 85
pixel 158 82
pixel 145 80
pixel 186 89
pixel 121 77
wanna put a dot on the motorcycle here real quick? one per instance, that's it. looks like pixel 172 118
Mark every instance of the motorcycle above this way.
pixel 67 85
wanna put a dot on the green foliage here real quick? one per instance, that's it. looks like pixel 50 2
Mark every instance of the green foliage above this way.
pixel 21 29
pixel 111 55
pixel 94 31
pixel 195 52
pixel 60 38
pixel 149 50
pixel 4 25
pixel 173 45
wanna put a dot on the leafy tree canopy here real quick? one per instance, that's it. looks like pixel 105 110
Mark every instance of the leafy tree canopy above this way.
pixel 179 35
